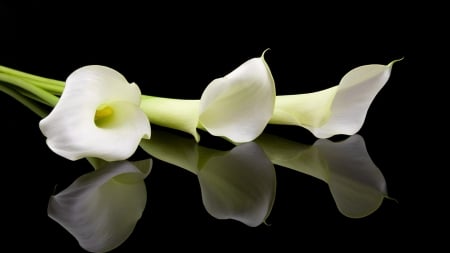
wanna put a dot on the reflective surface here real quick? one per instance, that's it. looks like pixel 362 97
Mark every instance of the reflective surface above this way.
pixel 269 190
pixel 286 190
pixel 100 209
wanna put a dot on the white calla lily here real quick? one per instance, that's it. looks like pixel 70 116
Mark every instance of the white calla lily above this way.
pixel 101 208
pixel 98 115
pixel 340 109
pixel 237 106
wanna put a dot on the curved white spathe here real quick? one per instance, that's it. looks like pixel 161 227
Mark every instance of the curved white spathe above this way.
pixel 98 115
pixel 239 105
pixel 340 109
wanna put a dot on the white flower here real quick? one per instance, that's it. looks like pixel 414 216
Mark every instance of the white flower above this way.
pixel 101 208
pixel 340 109
pixel 237 106
pixel 98 115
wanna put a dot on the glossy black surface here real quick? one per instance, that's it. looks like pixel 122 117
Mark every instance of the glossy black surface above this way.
pixel 178 60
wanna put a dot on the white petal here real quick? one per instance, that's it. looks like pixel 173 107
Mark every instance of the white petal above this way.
pixel 71 130
pixel 100 209
pixel 239 185
pixel 239 105
pixel 93 80
pixel 355 93
pixel 340 109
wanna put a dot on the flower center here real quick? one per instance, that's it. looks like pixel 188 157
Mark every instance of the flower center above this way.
pixel 103 115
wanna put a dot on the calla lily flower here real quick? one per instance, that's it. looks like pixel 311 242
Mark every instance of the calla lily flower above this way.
pixel 237 106
pixel 340 109
pixel 239 184
pixel 356 184
pixel 98 115
pixel 101 208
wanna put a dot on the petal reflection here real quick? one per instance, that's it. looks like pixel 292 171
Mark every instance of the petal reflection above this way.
pixel 101 208
pixel 238 184
pixel 356 184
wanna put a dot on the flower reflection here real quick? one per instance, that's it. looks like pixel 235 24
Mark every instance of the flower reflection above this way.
pixel 101 208
pixel 356 184
pixel 238 184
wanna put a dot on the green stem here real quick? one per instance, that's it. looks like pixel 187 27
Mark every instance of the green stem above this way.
pixel 53 86
pixel 24 100
pixel 179 114
pixel 36 78
pixel 308 109
pixel 47 97
pixel 31 96
pixel 53 89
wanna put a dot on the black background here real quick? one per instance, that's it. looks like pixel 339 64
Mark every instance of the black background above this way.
pixel 175 51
